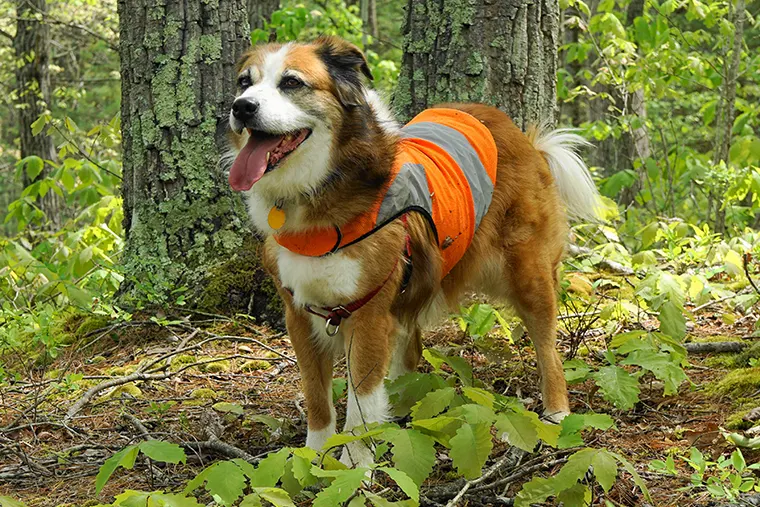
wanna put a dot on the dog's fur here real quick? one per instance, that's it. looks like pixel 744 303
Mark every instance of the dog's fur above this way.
pixel 337 174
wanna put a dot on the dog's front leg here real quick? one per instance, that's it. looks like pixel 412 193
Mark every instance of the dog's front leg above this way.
pixel 368 350
pixel 316 365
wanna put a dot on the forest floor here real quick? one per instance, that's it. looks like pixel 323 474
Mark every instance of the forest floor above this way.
pixel 49 460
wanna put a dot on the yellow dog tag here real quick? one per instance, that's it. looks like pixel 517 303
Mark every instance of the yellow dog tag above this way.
pixel 276 218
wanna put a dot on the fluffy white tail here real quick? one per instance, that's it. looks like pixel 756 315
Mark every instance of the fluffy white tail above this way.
pixel 577 189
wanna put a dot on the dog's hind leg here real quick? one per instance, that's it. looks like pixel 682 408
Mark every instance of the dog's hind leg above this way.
pixel 368 351
pixel 407 350
pixel 315 362
pixel 532 283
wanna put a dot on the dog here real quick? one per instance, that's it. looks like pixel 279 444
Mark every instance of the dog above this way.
pixel 318 164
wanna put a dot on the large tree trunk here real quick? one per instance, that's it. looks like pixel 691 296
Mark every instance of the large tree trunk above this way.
pixel 182 220
pixel 259 11
pixel 32 48
pixel 501 53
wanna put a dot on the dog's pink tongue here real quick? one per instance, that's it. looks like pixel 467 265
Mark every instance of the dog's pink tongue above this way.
pixel 251 162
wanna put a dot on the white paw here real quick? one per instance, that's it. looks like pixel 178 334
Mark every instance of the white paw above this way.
pixel 357 455
pixel 555 417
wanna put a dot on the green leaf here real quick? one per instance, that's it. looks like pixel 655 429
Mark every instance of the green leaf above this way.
pixel 252 500
pixel 470 448
pixel 434 357
pixel 413 453
pixel 404 482
pixel 662 365
pixel 577 496
pixel 408 389
pixel 226 481
pixel 345 438
pixel 358 501
pixel 576 371
pixel 634 474
pixel 442 427
pixel 6 501
pixel 479 396
pixel 672 321
pixel 433 403
pixel 518 430
pixel 232 408
pixel 39 124
pixel 164 452
pixel 461 368
pixel 572 425
pixel 345 484
pixel 618 386
pixel 270 469
pixel 605 469
pixel 124 458
pixel 275 496
pixel 34 166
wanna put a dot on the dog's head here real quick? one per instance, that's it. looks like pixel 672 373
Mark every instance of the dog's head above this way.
pixel 292 99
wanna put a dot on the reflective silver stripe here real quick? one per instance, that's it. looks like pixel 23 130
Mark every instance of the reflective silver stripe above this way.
pixel 457 145
pixel 410 188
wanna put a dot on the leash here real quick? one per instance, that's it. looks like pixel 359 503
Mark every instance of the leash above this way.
pixel 334 316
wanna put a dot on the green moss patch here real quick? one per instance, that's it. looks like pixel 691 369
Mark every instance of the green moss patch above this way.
pixel 738 383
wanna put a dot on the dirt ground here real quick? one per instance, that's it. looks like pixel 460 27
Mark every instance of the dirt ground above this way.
pixel 47 460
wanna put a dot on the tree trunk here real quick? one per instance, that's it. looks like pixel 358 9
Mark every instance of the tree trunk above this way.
pixel 500 53
pixel 32 48
pixel 637 139
pixel 726 109
pixel 182 221
pixel 259 11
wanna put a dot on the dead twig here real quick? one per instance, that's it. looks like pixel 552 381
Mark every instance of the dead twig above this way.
pixel 508 457
pixel 745 261
pixel 608 264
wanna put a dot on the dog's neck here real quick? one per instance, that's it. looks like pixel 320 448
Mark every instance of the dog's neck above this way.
pixel 362 159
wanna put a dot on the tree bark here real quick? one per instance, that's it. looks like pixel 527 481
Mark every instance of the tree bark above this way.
pixel 259 11
pixel 32 48
pixel 182 221
pixel 726 109
pixel 500 53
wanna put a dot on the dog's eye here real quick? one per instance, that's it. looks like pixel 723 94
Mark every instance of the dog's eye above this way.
pixel 290 83
pixel 244 82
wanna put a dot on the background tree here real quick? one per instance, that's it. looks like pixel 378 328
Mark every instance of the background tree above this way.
pixel 500 53
pixel 259 12
pixel 32 48
pixel 181 219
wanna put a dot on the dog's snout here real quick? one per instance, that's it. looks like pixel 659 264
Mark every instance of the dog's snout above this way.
pixel 244 108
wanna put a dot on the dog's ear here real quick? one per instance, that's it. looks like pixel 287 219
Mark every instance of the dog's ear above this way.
pixel 345 63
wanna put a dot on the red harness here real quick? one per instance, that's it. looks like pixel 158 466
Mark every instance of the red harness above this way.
pixel 335 315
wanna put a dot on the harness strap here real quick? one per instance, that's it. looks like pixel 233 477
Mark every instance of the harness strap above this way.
pixel 334 316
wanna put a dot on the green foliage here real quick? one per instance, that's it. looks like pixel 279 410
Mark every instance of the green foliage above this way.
pixel 304 22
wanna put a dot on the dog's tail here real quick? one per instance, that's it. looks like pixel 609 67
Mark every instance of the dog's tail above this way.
pixel 560 149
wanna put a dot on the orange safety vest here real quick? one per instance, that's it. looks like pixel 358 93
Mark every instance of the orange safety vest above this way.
pixel 445 169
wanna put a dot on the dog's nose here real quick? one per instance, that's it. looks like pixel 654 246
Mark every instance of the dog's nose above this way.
pixel 244 108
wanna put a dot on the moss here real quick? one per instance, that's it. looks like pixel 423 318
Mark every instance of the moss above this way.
pixel 90 324
pixel 255 365
pixel 52 374
pixel 120 371
pixel 736 420
pixel 129 389
pixel 216 367
pixel 201 396
pixel 241 284
pixel 579 285
pixel 743 381
pixel 98 360
pixel 724 361
pixel 182 360
pixel 742 359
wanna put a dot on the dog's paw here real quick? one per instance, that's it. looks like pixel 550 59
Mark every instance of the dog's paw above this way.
pixel 356 455
pixel 555 417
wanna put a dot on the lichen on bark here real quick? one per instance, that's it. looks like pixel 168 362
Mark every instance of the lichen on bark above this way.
pixel 500 53
pixel 181 218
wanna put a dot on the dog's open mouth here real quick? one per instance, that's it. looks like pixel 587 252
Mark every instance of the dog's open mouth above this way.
pixel 261 154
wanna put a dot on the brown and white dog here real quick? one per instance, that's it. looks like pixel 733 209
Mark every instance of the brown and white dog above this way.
pixel 317 146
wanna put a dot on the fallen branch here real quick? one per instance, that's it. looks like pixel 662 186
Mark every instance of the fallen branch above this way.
pixel 715 347
pixel 223 448
pixel 615 267
pixel 511 457
pixel 745 261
